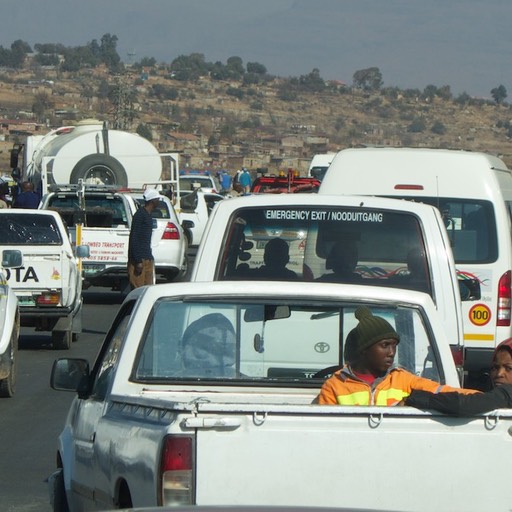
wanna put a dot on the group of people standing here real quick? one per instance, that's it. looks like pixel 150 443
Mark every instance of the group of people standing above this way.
pixel 240 183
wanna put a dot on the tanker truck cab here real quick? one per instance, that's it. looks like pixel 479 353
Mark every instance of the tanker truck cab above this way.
pixel 399 244
pixel 473 192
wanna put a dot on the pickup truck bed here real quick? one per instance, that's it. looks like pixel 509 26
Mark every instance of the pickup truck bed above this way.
pixel 183 407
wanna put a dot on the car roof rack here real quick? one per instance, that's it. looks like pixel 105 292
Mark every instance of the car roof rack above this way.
pixel 88 187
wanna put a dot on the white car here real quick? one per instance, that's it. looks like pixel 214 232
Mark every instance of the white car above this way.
pixel 169 244
pixel 199 180
pixel 10 320
pixel 195 208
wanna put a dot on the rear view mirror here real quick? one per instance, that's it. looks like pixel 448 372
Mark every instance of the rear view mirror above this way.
pixel 83 251
pixel 264 313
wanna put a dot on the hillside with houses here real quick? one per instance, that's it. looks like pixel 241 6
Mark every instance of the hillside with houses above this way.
pixel 270 125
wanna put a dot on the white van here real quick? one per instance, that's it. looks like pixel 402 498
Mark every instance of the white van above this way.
pixel 473 191
pixel 382 235
pixel 319 165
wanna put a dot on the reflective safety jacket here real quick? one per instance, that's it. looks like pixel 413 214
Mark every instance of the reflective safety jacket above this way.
pixel 344 388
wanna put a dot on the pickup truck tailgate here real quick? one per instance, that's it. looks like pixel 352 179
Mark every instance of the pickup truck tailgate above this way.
pixel 42 267
pixel 307 457
pixel 106 245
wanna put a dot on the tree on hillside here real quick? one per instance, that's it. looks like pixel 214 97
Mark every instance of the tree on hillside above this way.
pixel 312 82
pixel 42 103
pixel 108 52
pixel 189 67
pixel 19 51
pixel 499 94
pixel 369 79
pixel 256 68
pixel 429 93
pixel 235 66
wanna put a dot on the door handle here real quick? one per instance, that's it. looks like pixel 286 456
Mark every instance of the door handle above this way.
pixel 212 423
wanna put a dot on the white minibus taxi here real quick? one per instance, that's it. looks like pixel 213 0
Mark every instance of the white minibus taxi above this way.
pixel 473 192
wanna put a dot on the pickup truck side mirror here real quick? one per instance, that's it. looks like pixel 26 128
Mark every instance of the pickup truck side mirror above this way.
pixel 12 258
pixel 68 374
pixel 83 251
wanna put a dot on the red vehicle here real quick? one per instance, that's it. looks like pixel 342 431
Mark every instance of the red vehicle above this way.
pixel 290 184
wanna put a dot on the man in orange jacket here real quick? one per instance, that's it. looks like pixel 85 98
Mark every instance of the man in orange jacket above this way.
pixel 369 378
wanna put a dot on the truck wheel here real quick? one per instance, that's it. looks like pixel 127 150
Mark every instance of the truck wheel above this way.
pixel 8 385
pixel 61 340
pixel 99 169
pixel 60 503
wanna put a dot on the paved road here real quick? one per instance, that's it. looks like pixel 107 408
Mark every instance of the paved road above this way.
pixel 31 421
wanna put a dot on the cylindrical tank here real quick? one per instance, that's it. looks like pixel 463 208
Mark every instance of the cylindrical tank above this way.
pixel 80 152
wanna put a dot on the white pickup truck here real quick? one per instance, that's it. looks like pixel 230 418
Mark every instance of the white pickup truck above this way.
pixel 394 243
pixel 204 395
pixel 48 285
pixel 105 215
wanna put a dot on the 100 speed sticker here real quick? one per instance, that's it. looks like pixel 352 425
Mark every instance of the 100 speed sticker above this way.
pixel 480 314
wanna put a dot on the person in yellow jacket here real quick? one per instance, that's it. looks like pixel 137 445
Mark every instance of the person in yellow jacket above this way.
pixel 369 377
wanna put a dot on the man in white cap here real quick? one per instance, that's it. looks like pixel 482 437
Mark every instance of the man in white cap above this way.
pixel 141 264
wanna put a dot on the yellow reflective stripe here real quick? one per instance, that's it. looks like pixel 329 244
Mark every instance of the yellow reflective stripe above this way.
pixel 384 395
pixel 479 337
pixel 359 398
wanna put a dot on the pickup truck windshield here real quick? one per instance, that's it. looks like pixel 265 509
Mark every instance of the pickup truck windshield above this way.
pixel 29 229
pixel 329 244
pixel 266 343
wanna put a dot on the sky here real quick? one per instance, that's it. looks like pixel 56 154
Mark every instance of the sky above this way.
pixel 465 44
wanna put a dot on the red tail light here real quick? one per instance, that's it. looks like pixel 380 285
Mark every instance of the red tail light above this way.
pixel 171 232
pixel 48 299
pixel 458 355
pixel 176 470
pixel 504 300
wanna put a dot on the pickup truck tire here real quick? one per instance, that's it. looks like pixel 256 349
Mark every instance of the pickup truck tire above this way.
pixel 8 385
pixel 60 503
pixel 109 170
pixel 61 340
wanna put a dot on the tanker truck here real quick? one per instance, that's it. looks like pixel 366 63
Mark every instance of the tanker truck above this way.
pixel 88 151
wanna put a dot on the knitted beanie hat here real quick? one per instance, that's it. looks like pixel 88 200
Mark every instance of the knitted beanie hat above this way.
pixel 370 330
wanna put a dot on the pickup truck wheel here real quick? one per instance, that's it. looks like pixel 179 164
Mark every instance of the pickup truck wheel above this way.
pixel 8 385
pixel 60 503
pixel 98 167
pixel 61 340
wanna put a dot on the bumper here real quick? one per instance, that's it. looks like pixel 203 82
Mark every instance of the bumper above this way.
pixel 109 276
pixel 44 312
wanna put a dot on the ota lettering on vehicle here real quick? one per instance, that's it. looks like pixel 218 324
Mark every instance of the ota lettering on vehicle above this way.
pixel 480 314
pixel 21 274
